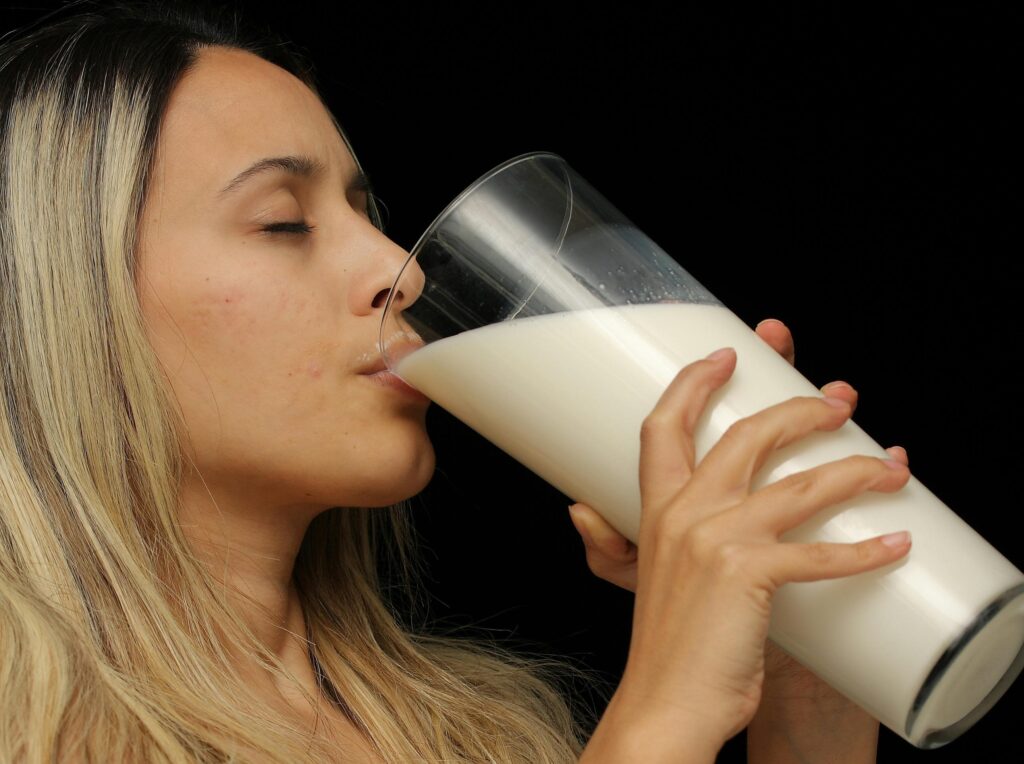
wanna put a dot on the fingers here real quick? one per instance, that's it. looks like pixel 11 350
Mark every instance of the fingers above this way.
pixel 777 334
pixel 724 474
pixel 787 503
pixel 822 560
pixel 848 393
pixel 610 555
pixel 780 338
pixel 666 435
pixel 599 534
pixel 842 390
pixel 899 453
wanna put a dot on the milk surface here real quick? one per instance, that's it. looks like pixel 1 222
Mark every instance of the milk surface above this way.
pixel 566 394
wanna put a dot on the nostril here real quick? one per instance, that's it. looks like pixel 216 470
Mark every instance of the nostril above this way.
pixel 382 296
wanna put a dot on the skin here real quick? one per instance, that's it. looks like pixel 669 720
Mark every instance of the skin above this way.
pixel 263 339
pixel 263 336
pixel 800 718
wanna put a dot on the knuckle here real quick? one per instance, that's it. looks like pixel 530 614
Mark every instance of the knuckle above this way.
pixel 677 535
pixel 740 430
pixel 870 468
pixel 866 463
pixel 654 422
pixel 821 553
pixel 728 560
pixel 802 485
pixel 819 409
pixel 864 552
pixel 702 538
pixel 856 467
pixel 672 529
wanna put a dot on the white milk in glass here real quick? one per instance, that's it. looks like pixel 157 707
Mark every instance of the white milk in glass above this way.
pixel 565 394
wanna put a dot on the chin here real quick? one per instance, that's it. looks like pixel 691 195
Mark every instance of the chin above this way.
pixel 401 484
pixel 422 474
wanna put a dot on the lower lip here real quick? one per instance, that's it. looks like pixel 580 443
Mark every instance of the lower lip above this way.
pixel 391 381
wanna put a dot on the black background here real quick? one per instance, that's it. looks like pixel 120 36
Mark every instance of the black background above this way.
pixel 848 171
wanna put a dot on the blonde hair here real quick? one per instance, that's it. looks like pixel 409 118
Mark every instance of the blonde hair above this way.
pixel 114 638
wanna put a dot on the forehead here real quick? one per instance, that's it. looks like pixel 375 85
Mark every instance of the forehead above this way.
pixel 233 108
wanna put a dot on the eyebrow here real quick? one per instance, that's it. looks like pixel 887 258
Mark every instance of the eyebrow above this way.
pixel 300 166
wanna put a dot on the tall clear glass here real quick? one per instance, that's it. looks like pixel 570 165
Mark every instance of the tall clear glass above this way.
pixel 536 313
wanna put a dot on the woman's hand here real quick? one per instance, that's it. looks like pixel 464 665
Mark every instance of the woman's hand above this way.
pixel 612 557
pixel 712 560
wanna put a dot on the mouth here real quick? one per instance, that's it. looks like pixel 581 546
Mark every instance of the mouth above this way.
pixel 397 347
pixel 391 381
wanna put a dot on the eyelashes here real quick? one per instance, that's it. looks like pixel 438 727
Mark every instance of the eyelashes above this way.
pixel 297 227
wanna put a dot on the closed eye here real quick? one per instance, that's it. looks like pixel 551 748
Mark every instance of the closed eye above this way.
pixel 297 227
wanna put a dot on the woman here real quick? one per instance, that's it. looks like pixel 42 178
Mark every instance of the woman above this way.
pixel 199 458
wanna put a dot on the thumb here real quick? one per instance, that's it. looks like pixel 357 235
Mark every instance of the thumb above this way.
pixel 599 533
pixel 579 514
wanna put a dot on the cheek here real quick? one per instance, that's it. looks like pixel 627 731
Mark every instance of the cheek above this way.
pixel 239 339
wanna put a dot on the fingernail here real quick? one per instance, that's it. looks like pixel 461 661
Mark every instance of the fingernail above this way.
pixel 837 385
pixel 896 540
pixel 766 320
pixel 719 354
pixel 839 403
pixel 581 526
pixel 893 464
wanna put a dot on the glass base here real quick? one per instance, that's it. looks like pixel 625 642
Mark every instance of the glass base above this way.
pixel 972 675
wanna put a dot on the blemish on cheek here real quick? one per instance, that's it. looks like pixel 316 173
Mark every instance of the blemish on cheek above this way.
pixel 231 297
pixel 314 369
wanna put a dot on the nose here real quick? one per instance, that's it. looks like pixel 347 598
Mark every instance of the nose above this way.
pixel 380 300
pixel 407 290
pixel 397 273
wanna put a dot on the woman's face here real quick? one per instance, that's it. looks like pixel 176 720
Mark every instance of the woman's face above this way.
pixel 264 335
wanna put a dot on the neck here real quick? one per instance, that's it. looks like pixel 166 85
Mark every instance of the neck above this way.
pixel 251 550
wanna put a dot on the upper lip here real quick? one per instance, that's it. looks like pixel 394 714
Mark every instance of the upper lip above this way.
pixel 398 348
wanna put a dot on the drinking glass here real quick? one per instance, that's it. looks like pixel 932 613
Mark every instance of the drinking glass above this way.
pixel 535 312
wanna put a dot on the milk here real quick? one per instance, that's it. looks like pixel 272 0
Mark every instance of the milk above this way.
pixel 566 393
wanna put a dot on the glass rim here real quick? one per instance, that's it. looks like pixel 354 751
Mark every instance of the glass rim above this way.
pixel 940 737
pixel 448 210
